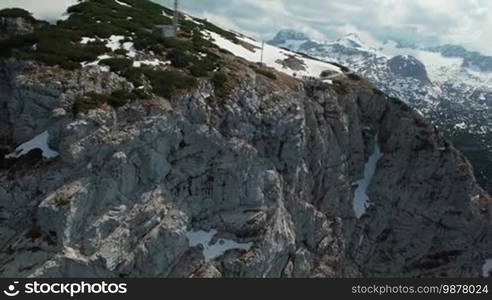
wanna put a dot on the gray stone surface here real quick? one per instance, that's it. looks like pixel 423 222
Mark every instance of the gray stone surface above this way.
pixel 275 168
pixel 408 66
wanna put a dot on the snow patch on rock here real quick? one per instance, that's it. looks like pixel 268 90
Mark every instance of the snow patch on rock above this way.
pixel 150 62
pixel 213 248
pixel 129 47
pixel 361 199
pixel 38 142
pixel 461 125
pixel 114 42
pixel 96 63
pixel 85 40
pixel 123 3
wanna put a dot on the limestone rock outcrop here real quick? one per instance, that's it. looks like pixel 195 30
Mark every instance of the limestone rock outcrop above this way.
pixel 270 170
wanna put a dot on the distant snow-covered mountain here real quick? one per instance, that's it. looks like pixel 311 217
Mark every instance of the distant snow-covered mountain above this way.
pixel 449 84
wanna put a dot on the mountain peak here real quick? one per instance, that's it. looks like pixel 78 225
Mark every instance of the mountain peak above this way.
pixel 289 34
pixel 471 59
pixel 351 40
pixel 408 66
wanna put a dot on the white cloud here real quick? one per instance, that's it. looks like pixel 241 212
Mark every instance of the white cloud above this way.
pixel 462 22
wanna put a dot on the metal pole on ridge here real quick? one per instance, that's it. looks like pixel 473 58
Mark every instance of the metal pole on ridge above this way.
pixel 176 17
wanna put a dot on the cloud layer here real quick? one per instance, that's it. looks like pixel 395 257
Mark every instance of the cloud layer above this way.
pixel 431 22
pixel 462 22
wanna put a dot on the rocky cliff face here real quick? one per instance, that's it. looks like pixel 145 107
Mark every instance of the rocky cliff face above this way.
pixel 269 177
pixel 271 167
pixel 13 26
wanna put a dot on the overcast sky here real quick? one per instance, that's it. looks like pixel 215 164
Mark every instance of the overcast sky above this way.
pixel 462 22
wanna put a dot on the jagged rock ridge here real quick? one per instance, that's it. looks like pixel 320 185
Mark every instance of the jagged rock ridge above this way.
pixel 449 85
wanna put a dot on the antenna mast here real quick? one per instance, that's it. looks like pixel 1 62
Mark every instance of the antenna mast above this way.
pixel 176 17
pixel 262 50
